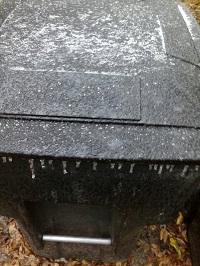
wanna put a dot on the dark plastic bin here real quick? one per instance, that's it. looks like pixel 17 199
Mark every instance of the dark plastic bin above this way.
pixel 99 122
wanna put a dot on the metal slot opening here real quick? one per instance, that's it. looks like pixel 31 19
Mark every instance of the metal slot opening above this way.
pixel 71 223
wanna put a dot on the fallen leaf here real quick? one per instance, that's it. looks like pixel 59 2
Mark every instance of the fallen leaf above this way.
pixel 175 245
pixel 180 218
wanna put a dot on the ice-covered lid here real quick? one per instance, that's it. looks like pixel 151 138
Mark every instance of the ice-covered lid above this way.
pixel 114 60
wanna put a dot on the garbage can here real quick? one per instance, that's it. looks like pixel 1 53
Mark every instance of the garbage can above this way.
pixel 99 121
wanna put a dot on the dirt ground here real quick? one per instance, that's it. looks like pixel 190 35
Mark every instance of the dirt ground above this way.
pixel 161 245
pixel 194 6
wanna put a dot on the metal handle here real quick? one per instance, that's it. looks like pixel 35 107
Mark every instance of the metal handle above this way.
pixel 78 240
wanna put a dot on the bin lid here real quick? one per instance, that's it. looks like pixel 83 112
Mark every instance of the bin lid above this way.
pixel 112 60
pixel 75 95
pixel 132 61
pixel 75 59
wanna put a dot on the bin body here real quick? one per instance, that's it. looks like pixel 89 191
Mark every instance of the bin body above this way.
pixel 99 121
pixel 93 199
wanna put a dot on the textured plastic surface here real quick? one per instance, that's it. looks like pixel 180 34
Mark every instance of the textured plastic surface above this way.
pixel 101 60
pixel 86 198
pixel 76 95
pixel 99 119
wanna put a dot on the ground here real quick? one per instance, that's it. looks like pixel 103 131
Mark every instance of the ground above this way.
pixel 161 245
pixel 194 6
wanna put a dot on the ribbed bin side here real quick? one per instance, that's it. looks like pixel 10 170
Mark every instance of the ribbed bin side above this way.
pixel 95 199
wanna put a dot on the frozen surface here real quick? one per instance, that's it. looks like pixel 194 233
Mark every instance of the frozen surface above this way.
pixel 79 62
pixel 82 36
